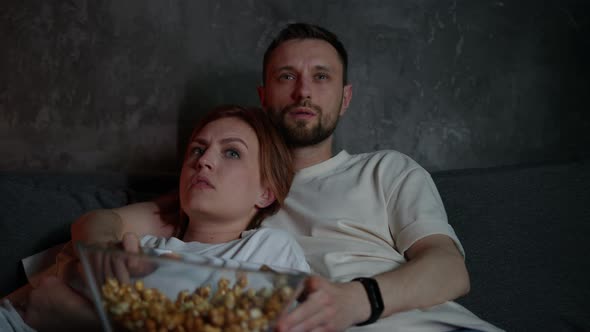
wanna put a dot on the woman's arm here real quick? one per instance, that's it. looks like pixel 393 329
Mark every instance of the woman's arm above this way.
pixel 54 302
pixel 54 306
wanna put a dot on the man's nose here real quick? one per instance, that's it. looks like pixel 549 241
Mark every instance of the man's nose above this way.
pixel 302 89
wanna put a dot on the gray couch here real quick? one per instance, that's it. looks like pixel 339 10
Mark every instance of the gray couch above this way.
pixel 524 229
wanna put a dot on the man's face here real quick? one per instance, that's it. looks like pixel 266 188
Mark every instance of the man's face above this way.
pixel 304 90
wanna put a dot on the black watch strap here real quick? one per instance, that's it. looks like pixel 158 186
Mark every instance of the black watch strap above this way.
pixel 374 294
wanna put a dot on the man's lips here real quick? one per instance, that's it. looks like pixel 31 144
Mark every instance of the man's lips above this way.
pixel 301 113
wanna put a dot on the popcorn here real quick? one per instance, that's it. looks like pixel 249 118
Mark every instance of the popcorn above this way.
pixel 229 309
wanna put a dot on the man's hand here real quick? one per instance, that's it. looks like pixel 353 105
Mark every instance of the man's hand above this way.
pixel 54 306
pixel 327 306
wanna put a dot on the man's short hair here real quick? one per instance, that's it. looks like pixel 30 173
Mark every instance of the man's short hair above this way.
pixel 307 31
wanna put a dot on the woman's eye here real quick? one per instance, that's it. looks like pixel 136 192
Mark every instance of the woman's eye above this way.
pixel 233 154
pixel 197 151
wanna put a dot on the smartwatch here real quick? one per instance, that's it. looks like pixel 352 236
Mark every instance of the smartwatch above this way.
pixel 374 294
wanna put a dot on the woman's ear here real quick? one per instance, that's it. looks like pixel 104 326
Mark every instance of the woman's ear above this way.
pixel 265 199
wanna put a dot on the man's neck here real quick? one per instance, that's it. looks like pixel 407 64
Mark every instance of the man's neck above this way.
pixel 311 155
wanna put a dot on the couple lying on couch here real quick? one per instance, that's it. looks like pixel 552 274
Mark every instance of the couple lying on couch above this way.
pixel 234 155
pixel 372 225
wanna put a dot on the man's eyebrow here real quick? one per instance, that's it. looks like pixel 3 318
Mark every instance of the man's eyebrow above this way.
pixel 281 68
pixel 316 67
pixel 322 68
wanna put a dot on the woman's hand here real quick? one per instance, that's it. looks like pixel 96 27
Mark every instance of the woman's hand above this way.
pixel 327 306
pixel 54 306
pixel 121 267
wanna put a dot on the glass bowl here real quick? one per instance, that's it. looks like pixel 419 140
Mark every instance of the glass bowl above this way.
pixel 179 292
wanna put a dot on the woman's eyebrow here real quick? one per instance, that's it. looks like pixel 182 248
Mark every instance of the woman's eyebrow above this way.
pixel 199 141
pixel 234 139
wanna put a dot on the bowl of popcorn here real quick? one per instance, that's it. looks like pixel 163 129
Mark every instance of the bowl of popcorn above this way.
pixel 166 291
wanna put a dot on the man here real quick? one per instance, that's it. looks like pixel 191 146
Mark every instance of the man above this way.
pixel 374 216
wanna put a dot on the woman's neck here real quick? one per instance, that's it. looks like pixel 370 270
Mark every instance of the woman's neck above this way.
pixel 215 231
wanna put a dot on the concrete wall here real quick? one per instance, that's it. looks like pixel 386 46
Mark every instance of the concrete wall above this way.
pixel 116 85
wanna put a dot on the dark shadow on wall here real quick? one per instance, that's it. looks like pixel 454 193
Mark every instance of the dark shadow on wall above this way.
pixel 566 50
pixel 203 91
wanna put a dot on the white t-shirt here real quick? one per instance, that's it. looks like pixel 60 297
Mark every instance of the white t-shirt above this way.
pixel 275 248
pixel 271 247
pixel 255 248
pixel 355 216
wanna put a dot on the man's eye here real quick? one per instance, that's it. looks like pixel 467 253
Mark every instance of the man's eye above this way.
pixel 233 154
pixel 286 76
pixel 321 76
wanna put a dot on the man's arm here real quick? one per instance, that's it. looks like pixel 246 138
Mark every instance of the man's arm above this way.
pixel 110 225
pixel 435 273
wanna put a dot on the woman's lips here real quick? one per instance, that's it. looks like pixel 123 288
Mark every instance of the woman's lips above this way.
pixel 202 182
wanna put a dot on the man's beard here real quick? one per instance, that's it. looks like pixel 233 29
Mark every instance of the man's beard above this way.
pixel 298 135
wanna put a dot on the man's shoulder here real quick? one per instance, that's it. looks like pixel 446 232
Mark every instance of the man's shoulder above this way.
pixel 383 158
pixel 392 154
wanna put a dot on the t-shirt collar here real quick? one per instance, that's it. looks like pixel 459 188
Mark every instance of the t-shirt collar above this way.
pixel 324 166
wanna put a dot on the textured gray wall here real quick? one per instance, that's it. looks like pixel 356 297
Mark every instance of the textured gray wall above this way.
pixel 116 85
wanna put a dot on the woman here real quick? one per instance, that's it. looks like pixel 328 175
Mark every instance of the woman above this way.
pixel 236 171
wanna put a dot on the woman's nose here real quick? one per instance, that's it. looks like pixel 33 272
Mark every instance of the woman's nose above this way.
pixel 206 160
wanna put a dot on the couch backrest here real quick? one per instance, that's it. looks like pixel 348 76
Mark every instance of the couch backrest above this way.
pixel 37 210
pixel 525 231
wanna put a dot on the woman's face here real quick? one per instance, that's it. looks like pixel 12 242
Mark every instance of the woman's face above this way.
pixel 220 177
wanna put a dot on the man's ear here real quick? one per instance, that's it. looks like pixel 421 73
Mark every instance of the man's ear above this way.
pixel 346 97
pixel 265 199
pixel 260 90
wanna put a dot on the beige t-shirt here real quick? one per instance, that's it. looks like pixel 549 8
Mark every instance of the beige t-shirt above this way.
pixel 355 216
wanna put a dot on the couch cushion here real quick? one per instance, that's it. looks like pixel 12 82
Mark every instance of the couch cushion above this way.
pixel 524 230
pixel 38 208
